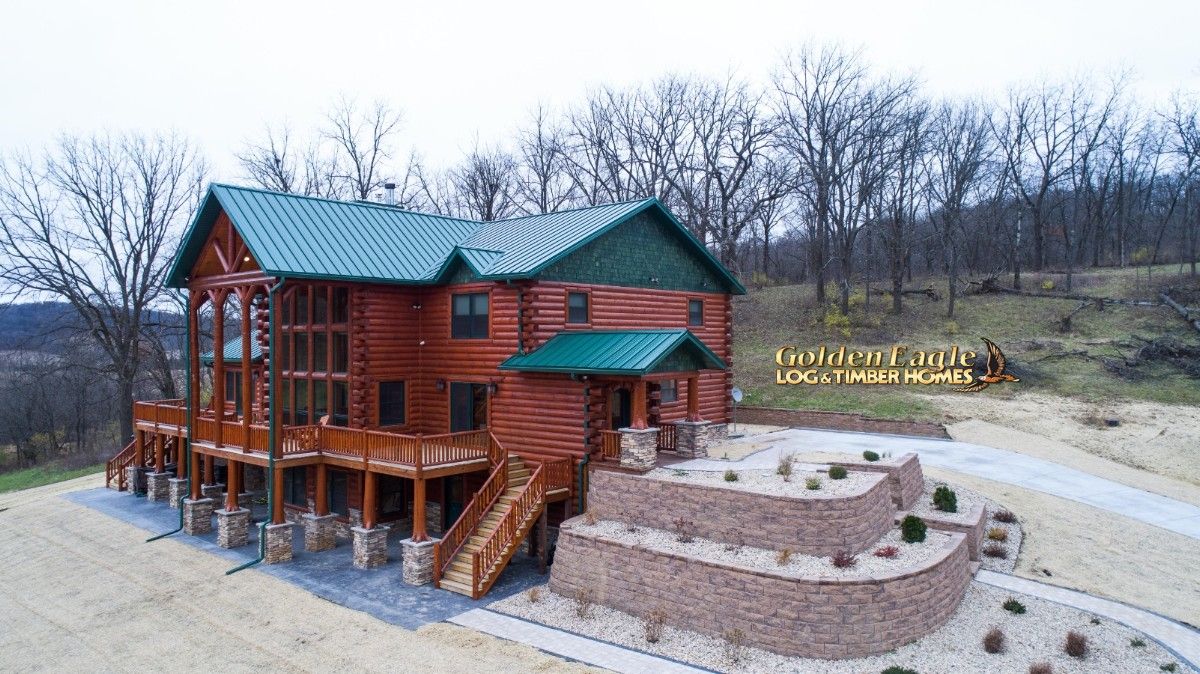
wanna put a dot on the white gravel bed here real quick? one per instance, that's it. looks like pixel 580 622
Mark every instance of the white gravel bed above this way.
pixel 1035 636
pixel 769 482
pixel 968 499
pixel 908 554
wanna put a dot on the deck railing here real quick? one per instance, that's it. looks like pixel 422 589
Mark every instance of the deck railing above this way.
pixel 501 543
pixel 161 412
pixel 666 438
pixel 610 444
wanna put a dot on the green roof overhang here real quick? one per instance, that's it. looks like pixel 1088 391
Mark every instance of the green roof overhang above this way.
pixel 618 352
pixel 232 353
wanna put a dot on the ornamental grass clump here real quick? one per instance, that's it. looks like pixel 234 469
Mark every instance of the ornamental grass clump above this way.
pixel 993 641
pixel 684 529
pixel 654 623
pixel 912 529
pixel 534 595
pixel 1076 644
pixel 871 456
pixel 999 534
pixel 945 500
pixel 584 600
pixel 783 557
pixel 996 550
pixel 844 560
pixel 735 644
pixel 812 483
pixel 1041 668
pixel 837 472
pixel 1005 516
pixel 785 466
pixel 887 552
pixel 894 669
pixel 1013 606
pixel 730 475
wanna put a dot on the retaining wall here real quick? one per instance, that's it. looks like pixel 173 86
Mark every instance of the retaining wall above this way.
pixel 972 527
pixel 904 476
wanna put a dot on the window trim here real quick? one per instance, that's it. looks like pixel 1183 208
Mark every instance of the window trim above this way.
pixel 587 293
pixel 379 403
pixel 674 388
pixel 471 291
pixel 702 312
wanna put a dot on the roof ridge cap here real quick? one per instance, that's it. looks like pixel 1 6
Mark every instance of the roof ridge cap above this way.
pixel 343 202
pixel 571 210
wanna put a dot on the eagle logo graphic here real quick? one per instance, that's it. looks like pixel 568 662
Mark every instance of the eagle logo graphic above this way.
pixel 995 374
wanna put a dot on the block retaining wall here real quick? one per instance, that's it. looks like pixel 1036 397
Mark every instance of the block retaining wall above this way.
pixel 904 475
pixel 808 616
pixel 819 526
pixel 972 527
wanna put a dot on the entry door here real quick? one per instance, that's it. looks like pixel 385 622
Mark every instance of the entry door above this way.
pixel 468 406
pixel 619 406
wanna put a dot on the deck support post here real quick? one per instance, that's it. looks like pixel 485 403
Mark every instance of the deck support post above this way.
pixel 419 534
pixel 542 525
pixel 693 399
pixel 638 405
pixel 233 484
pixel 160 453
pixel 368 500
pixel 322 501
pixel 194 391
pixel 218 388
pixel 277 487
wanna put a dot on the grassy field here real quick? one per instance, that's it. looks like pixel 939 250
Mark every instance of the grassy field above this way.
pixel 1026 328
pixel 40 475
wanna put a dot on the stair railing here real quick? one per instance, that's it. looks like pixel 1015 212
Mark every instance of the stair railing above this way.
pixel 115 467
pixel 454 538
pixel 500 545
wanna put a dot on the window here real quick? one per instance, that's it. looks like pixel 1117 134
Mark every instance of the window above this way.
pixel 670 391
pixel 285 353
pixel 391 403
pixel 341 352
pixel 695 312
pixel 341 408
pixel 301 352
pixel 470 316
pixel 320 400
pixel 577 308
pixel 320 360
pixel 302 305
pixel 233 389
pixel 320 306
pixel 338 492
pixel 301 402
pixel 341 305
pixel 295 491
pixel 468 406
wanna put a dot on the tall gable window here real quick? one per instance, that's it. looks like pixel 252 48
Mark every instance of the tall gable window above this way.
pixel 577 308
pixel 315 355
pixel 695 312
pixel 469 318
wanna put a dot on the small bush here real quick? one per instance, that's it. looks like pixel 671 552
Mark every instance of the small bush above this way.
pixel 945 500
pixel 993 641
pixel 1041 668
pixel 1076 645
pixel 898 670
pixel 1005 516
pixel 997 534
pixel 871 456
pixel 730 475
pixel 1095 621
pixel 812 483
pixel 1137 643
pixel 584 600
pixel 684 529
pixel 735 644
pixel 631 528
pixel 1013 606
pixel 783 556
pixel 844 560
pixel 785 466
pixel 590 517
pixel 1048 285
pixel 887 551
pixel 534 595
pixel 951 327
pixel 837 472
pixel 996 550
pixel 1169 667
pixel 654 623
pixel 912 529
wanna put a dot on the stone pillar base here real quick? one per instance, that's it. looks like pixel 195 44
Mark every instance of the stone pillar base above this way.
pixel 692 438
pixel 197 516
pixel 639 448
pixel 135 479
pixel 156 486
pixel 233 527
pixel 319 532
pixel 215 492
pixel 177 490
pixel 279 543
pixel 370 546
pixel 418 561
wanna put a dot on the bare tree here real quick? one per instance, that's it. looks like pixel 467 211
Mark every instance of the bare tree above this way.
pixel 543 183
pixel 363 139
pixel 484 184
pixel 1184 124
pixel 273 163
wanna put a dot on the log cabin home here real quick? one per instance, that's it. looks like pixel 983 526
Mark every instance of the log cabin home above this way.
pixel 446 380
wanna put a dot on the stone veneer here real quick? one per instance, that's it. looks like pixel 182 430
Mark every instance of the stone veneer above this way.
pixel 233 527
pixel 972 527
pixel 370 546
pixel 177 490
pixel 808 616
pixel 197 516
pixel 278 543
pixel 156 486
pixel 639 448
pixel 904 475
pixel 215 492
pixel 816 525
pixel 418 561
pixel 692 438
pixel 319 532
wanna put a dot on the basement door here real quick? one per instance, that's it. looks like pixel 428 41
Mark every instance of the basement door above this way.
pixel 468 406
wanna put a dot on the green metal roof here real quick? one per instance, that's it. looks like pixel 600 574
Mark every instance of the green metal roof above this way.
pixel 232 353
pixel 621 352
pixel 306 237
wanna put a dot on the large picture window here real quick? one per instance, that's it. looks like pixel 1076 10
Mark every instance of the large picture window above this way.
pixel 315 355
pixel 469 319
pixel 391 403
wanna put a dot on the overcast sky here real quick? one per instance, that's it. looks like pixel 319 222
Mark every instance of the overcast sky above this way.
pixel 219 71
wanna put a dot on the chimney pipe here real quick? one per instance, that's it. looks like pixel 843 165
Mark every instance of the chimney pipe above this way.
pixel 389 194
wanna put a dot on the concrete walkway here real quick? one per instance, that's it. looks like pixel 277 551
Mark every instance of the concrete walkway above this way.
pixel 1000 465
pixel 1181 640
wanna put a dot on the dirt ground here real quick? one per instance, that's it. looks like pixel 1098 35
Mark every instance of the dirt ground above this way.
pixel 80 591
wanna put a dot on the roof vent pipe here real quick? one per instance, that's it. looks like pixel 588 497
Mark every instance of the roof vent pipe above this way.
pixel 389 194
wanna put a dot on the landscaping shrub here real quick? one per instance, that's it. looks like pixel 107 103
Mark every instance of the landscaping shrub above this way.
pixel 584 602
pixel 996 550
pixel 654 622
pixel 813 483
pixel 837 472
pixel 735 644
pixel 1013 606
pixel 784 556
pixel 871 456
pixel 951 327
pixel 785 466
pixel 844 560
pixel 684 529
pixel 993 641
pixel 1169 667
pixel 730 475
pixel 1076 644
pixel 997 534
pixel 887 551
pixel 1005 516
pixel 898 670
pixel 912 529
pixel 945 500
pixel 1137 643
pixel 1041 668
pixel 1048 285
pixel 534 595
pixel 1095 621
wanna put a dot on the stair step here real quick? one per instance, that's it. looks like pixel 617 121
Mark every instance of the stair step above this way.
pixel 460 588
pixel 458 577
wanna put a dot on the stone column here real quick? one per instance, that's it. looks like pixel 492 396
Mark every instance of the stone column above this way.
pixel 213 491
pixel 319 532
pixel 135 479
pixel 418 561
pixel 639 448
pixel 156 486
pixel 692 438
pixel 177 490
pixel 197 516
pixel 232 527
pixel 279 543
pixel 370 546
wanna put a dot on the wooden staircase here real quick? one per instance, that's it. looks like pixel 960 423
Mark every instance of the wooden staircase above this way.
pixel 114 468
pixel 474 551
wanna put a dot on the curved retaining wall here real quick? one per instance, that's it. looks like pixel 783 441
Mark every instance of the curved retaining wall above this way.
pixel 814 616
pixel 819 526
pixel 904 475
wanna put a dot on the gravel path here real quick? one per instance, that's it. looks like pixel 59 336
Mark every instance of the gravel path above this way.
pixel 908 554
pixel 1035 636
pixel 769 482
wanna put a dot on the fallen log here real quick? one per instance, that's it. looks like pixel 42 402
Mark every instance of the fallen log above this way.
pixel 927 292
pixel 1181 310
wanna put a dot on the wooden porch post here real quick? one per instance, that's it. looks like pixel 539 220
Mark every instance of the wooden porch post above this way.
pixel 194 366
pixel 181 458
pixel 209 478
pixel 277 487
pixel 246 296
pixel 693 412
pixel 322 504
pixel 419 534
pixel 160 454
pixel 368 504
pixel 218 392
pixel 233 483
pixel 638 405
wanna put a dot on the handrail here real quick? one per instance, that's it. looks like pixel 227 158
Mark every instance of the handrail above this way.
pixel 115 467
pixel 445 550
pixel 492 552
